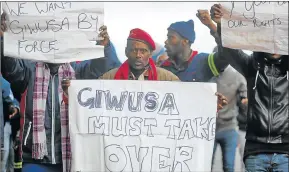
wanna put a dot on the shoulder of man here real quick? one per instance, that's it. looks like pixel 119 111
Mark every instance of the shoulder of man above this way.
pixel 109 75
pixel 207 61
pixel 165 75
pixel 204 56
pixel 201 58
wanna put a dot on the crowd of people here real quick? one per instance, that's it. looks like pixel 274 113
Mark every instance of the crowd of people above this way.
pixel 252 95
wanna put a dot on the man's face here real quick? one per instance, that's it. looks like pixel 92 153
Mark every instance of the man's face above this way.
pixel 138 54
pixel 173 44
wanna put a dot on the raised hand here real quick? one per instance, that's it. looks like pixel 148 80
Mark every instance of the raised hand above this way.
pixel 204 17
pixel 103 34
pixel 222 101
pixel 216 13
pixel 3 23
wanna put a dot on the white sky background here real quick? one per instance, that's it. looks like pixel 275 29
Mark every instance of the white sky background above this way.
pixel 155 18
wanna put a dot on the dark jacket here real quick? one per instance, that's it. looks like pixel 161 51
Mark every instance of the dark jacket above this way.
pixel 268 87
pixel 268 99
pixel 22 72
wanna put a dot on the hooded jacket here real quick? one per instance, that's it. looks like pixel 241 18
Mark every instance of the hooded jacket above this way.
pixel 268 103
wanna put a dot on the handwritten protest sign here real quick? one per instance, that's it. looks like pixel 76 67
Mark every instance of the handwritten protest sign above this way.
pixel 256 26
pixel 55 32
pixel 142 126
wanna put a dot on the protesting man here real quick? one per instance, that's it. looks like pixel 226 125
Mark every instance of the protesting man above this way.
pixel 189 65
pixel 140 65
pixel 44 133
pixel 267 137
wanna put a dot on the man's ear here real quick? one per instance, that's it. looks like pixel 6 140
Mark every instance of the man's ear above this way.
pixel 185 42
pixel 126 52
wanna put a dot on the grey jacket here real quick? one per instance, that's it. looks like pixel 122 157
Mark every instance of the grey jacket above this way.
pixel 233 85
pixel 22 72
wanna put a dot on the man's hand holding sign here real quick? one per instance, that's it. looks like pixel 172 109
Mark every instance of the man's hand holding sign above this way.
pixel 244 25
pixel 62 31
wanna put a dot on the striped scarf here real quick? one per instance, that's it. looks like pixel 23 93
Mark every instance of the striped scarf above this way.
pixel 40 93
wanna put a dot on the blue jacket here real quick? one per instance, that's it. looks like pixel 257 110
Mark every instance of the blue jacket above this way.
pixel 113 61
pixel 201 67
pixel 8 98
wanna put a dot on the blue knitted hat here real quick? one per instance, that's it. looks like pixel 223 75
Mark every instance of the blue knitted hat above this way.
pixel 185 29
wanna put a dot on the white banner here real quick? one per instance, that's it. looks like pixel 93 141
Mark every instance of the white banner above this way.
pixel 146 126
pixel 55 32
pixel 256 26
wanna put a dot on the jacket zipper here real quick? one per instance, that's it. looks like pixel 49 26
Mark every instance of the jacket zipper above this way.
pixel 53 123
pixel 271 104
pixel 27 133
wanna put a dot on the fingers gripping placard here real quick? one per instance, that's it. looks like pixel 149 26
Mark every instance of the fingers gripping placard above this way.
pixel 54 32
pixel 141 126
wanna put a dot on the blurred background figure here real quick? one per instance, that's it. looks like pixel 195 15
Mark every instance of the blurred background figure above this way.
pixel 159 55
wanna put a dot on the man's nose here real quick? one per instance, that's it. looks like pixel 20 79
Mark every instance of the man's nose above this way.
pixel 139 54
pixel 166 42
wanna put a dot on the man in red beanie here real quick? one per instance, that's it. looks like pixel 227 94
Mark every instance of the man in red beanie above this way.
pixel 139 64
